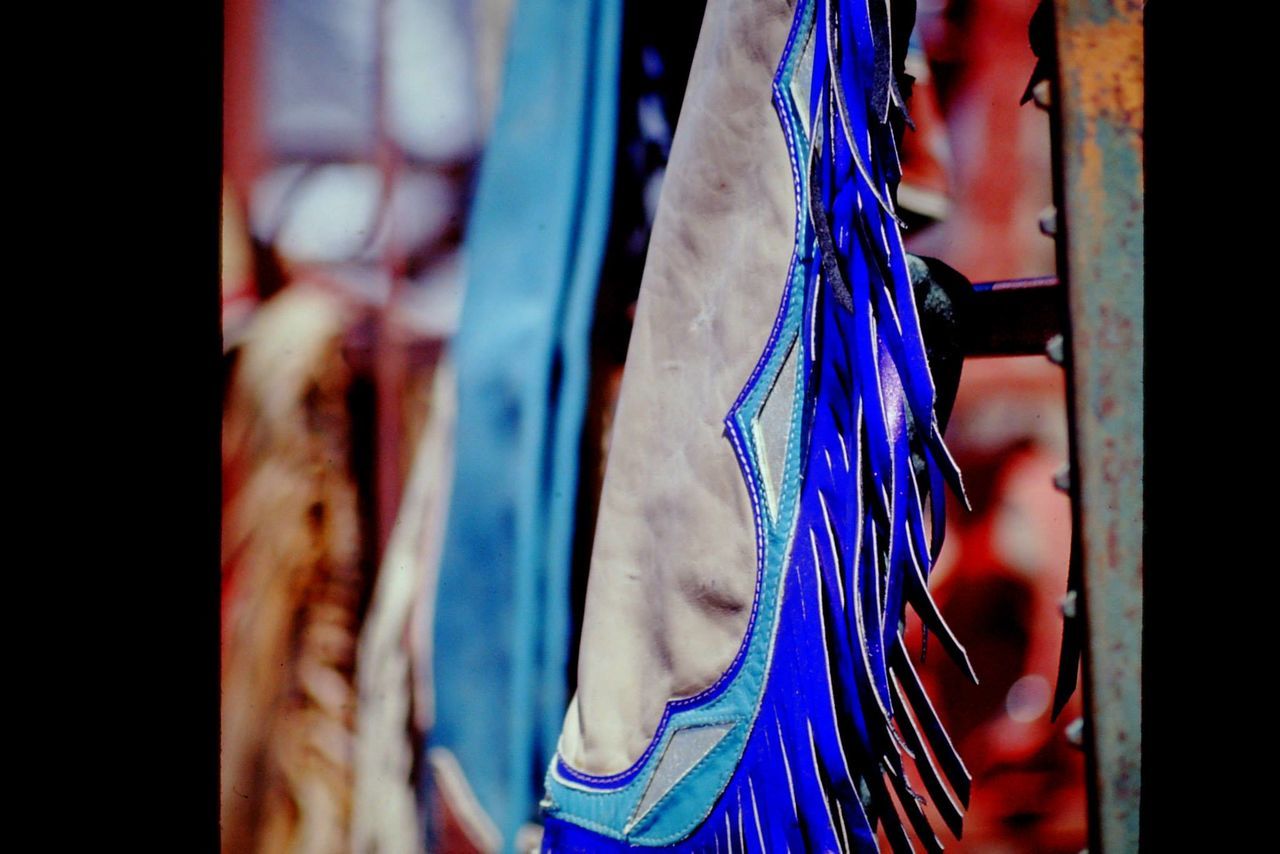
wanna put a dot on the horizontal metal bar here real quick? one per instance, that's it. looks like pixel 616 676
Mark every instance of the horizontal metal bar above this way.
pixel 1012 317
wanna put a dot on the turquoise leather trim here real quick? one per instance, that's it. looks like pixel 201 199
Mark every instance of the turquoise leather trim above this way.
pixel 611 811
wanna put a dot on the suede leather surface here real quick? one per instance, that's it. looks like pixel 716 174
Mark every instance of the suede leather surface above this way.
pixel 674 561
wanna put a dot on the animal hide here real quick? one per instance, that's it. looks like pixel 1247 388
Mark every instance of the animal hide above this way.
pixel 291 584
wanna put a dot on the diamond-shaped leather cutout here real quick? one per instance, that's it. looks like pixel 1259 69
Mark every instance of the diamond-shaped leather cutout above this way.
pixel 802 80
pixel 685 749
pixel 772 425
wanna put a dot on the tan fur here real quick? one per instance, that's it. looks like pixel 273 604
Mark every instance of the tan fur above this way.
pixel 291 583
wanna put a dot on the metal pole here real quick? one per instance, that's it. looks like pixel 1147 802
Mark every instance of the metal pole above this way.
pixel 1098 114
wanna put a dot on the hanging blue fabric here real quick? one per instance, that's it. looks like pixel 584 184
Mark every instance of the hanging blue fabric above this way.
pixel 802 745
pixel 534 247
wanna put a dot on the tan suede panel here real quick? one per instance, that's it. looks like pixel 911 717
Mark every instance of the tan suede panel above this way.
pixel 674 562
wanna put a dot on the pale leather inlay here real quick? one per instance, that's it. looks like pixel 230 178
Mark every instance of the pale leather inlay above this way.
pixel 802 80
pixel 772 427
pixel 673 568
pixel 686 748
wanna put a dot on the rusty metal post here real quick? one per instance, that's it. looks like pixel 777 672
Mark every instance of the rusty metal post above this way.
pixel 1098 116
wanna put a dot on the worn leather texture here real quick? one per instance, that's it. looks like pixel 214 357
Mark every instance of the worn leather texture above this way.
pixel 674 560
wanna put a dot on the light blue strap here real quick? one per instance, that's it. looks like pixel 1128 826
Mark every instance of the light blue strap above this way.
pixel 533 253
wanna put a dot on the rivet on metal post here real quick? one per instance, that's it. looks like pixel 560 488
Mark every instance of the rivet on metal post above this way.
pixel 1041 94
pixel 1062 478
pixel 1049 221
pixel 1054 348
pixel 1075 733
